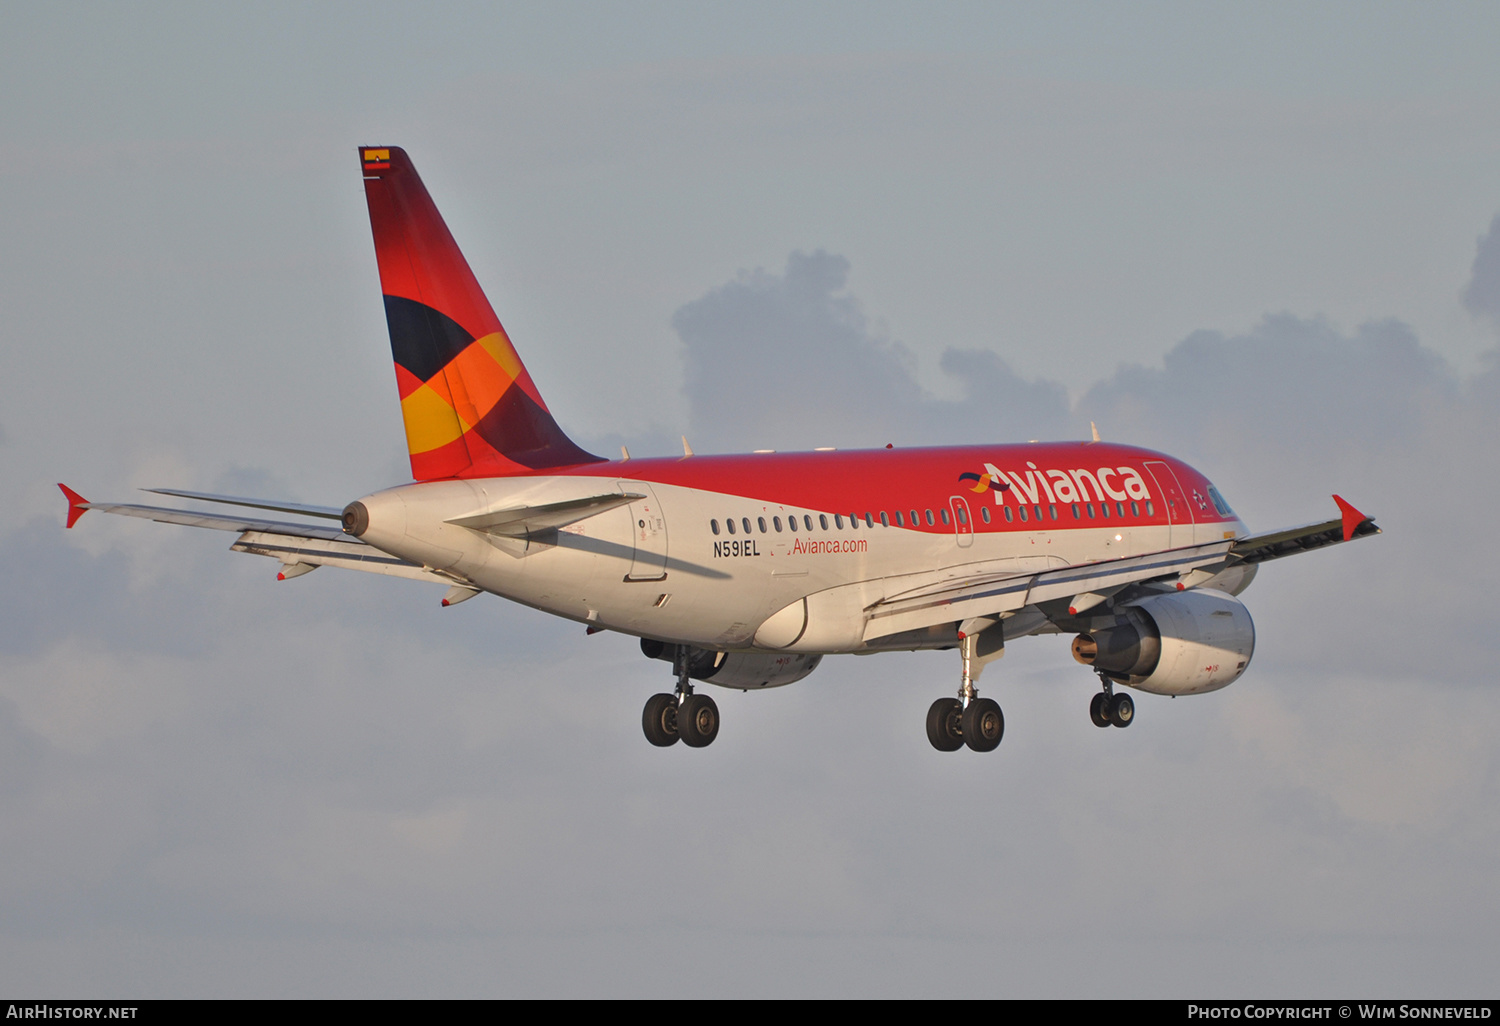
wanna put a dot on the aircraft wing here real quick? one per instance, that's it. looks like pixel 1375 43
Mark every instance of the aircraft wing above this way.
pixel 299 547
pixel 1089 584
pixel 1257 548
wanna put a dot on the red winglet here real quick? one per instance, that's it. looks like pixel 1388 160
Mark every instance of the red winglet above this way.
pixel 77 504
pixel 1352 517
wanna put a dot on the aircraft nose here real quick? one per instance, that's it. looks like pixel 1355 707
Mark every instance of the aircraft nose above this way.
pixel 356 519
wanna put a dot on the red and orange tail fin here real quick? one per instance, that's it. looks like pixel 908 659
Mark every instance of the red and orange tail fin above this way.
pixel 470 407
pixel 77 504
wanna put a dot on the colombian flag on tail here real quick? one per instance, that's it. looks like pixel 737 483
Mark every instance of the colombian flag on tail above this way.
pixel 470 408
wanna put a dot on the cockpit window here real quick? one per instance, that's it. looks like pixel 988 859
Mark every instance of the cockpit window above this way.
pixel 1219 503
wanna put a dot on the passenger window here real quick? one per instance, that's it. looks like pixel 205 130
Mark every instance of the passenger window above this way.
pixel 1090 508
pixel 745 523
pixel 963 515
pixel 898 519
pixel 885 521
pixel 807 519
pixel 854 521
pixel 984 512
pixel 1150 509
pixel 776 523
pixel 730 524
pixel 944 514
pixel 822 520
pixel 715 525
pixel 1052 508
pixel 914 520
pixel 1104 508
pixel 1076 514
pixel 929 518
pixel 1119 509
pixel 1135 509
pixel 869 520
pixel 838 521
pixel 1023 513
pixel 762 522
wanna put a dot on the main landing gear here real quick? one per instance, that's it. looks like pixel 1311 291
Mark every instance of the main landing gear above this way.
pixel 968 719
pixel 951 724
pixel 681 716
pixel 1109 709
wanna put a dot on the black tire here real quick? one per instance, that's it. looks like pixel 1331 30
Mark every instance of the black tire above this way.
pixel 1099 710
pixel 983 725
pixel 659 721
pixel 698 721
pixel 943 728
pixel 1122 710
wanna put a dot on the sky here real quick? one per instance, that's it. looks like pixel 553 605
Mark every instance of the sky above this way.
pixel 1263 238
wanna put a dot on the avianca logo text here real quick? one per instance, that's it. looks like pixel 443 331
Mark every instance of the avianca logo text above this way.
pixel 1070 485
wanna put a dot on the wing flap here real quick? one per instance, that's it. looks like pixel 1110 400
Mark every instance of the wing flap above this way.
pixel 348 553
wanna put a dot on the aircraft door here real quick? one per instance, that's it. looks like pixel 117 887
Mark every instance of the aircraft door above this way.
pixel 963 523
pixel 648 529
pixel 1179 513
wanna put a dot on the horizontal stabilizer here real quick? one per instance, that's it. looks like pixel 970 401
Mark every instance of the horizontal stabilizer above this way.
pixel 326 512
pixel 522 521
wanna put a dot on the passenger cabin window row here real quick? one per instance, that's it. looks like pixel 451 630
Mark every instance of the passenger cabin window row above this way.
pixel 1080 511
pixel 1025 514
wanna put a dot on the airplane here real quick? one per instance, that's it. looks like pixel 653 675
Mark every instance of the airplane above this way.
pixel 744 571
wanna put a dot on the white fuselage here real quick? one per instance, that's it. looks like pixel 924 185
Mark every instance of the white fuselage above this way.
pixel 656 568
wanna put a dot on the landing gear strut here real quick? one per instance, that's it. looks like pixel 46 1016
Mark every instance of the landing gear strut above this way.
pixel 681 716
pixel 1109 709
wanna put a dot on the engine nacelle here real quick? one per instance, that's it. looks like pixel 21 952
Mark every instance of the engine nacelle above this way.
pixel 1173 644
pixel 735 669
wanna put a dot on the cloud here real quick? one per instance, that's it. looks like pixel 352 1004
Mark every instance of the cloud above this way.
pixel 1482 294
pixel 1295 409
pixel 791 361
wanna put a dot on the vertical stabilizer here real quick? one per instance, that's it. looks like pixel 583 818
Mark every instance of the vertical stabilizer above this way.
pixel 469 406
